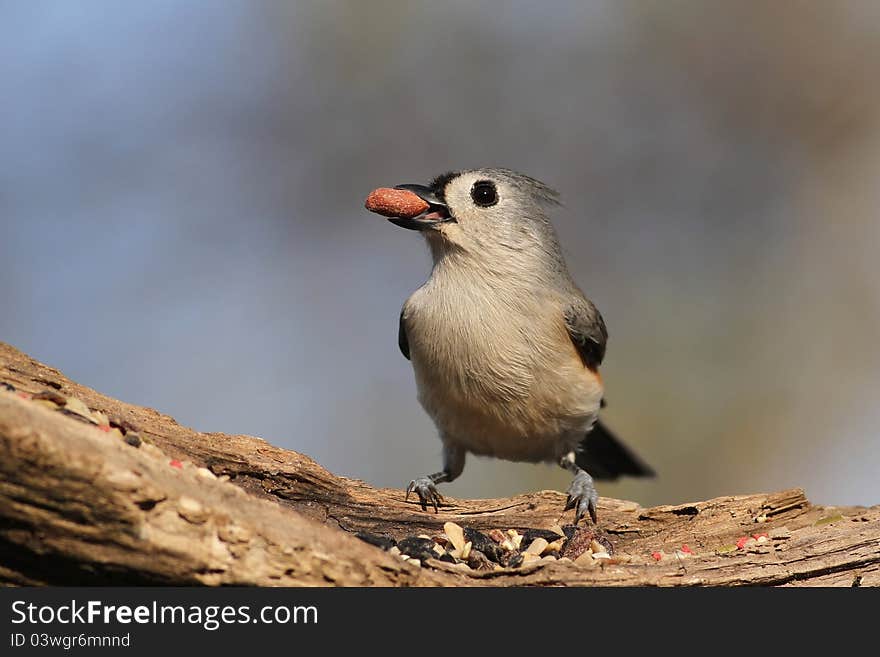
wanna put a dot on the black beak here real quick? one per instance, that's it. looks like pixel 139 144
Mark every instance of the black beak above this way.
pixel 437 212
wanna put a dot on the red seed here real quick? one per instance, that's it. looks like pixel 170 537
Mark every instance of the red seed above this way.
pixel 758 536
pixel 24 395
pixel 176 464
pixel 657 555
pixel 104 427
pixel 686 549
pixel 741 542
pixel 395 203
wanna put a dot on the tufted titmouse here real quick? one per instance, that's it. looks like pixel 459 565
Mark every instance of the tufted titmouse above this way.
pixel 505 347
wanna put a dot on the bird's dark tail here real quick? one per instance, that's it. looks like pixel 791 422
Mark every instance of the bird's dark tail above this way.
pixel 603 456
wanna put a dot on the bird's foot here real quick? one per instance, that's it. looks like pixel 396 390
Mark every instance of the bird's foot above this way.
pixel 426 489
pixel 582 496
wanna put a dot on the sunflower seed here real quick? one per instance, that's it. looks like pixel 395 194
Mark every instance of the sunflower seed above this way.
pixel 585 560
pixel 455 534
pixel 515 537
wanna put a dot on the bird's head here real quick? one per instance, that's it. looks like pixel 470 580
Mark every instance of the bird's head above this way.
pixel 482 212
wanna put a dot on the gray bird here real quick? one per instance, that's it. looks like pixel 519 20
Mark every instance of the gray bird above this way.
pixel 504 345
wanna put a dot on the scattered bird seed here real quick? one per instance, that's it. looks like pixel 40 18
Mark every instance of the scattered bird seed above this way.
pixel 479 561
pixel 529 535
pixel 77 406
pixel 384 542
pixel 122 424
pixel 455 534
pixel 515 561
pixel 417 547
pixel 579 541
pixel 497 535
pixel 743 542
pixel 76 416
pixel 515 538
pixel 205 473
pixel 585 559
pixel 52 396
pixel 479 541
pixel 470 549
pixel 442 540
pixel 604 543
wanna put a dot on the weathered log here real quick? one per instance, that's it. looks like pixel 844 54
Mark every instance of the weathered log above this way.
pixel 80 505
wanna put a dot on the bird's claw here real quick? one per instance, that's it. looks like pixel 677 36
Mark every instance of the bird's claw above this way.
pixel 582 497
pixel 425 488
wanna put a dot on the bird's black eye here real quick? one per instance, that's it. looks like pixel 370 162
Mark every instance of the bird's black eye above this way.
pixel 484 193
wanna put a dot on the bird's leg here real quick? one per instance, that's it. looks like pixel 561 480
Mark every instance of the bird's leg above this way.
pixel 426 487
pixel 582 495
pixel 427 491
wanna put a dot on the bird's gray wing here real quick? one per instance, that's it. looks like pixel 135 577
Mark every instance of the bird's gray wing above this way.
pixel 600 453
pixel 402 341
pixel 587 331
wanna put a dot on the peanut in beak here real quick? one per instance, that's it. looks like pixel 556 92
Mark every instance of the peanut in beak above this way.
pixel 395 203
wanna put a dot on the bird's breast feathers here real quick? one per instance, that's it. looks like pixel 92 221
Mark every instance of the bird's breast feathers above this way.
pixel 499 376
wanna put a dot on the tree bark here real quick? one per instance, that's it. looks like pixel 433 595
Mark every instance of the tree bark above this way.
pixel 80 505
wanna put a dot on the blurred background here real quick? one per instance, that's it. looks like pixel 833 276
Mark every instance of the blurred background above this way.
pixel 182 222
